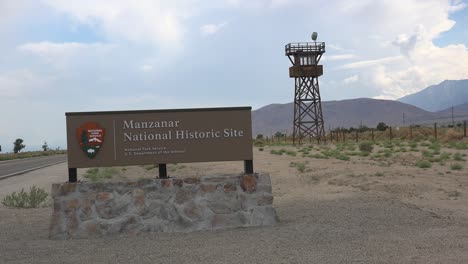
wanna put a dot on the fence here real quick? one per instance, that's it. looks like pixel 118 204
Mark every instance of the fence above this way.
pixel 414 132
pixel 438 131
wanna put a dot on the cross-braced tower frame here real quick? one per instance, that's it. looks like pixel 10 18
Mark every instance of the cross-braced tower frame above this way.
pixel 308 118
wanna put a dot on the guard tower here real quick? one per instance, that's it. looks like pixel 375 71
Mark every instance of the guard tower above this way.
pixel 308 119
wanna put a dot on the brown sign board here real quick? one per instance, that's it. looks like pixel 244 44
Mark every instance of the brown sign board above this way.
pixel 121 138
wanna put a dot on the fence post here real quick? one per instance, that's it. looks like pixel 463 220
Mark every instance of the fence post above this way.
pixel 435 131
pixel 344 136
pixel 391 136
pixel 372 134
pixel 411 132
pixel 357 137
pixel 464 128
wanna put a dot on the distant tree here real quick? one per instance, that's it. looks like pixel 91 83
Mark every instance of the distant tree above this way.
pixel 45 147
pixel 0 148
pixel 363 128
pixel 381 126
pixel 18 145
pixel 341 129
pixel 259 136
pixel 279 134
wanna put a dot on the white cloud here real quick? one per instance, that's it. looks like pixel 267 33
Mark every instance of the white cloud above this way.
pixel 20 83
pixel 146 68
pixel 456 5
pixel 68 55
pixel 51 49
pixel 335 47
pixel 370 63
pixel 156 22
pixel 259 4
pixel 340 57
pixel 135 102
pixel 399 50
pixel 351 79
pixel 11 11
pixel 210 29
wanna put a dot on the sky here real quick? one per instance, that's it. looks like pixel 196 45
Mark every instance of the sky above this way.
pixel 59 56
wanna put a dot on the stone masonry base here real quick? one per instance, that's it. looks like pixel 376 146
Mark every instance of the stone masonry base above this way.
pixel 83 210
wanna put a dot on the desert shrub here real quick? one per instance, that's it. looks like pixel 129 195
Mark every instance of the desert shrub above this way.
pixel 175 167
pixel 335 154
pixel 364 154
pixel 32 199
pixel 388 144
pixel 398 143
pixel 457 145
pixel 318 156
pixel 424 164
pixel 366 147
pixel 458 157
pixel 342 157
pixel 387 153
pixel 456 166
pixel 427 154
pixel 425 144
pixel 291 153
pixel 149 167
pixel 98 174
pixel 277 152
pixel 259 142
pixel 260 149
pixel 301 166
pixel 435 146
pixel 346 146
pixel 462 145
pixel 441 158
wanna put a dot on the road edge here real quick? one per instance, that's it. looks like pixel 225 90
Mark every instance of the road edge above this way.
pixel 28 170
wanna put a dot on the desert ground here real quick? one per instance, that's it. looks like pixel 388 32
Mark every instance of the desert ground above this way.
pixel 335 204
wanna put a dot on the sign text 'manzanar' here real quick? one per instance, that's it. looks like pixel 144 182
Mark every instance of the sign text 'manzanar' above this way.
pixel 149 124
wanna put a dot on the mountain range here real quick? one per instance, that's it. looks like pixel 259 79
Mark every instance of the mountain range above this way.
pixel 369 112
pixel 439 97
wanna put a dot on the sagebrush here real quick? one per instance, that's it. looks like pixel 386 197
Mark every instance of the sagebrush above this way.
pixel 36 197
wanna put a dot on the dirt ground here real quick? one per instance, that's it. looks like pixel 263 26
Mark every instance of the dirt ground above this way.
pixel 368 209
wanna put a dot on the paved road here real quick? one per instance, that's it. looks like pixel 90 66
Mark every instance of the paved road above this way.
pixel 14 167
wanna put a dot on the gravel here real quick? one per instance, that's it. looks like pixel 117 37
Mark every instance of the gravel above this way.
pixel 361 228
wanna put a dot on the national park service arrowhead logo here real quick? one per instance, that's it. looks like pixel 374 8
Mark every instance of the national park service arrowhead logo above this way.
pixel 90 137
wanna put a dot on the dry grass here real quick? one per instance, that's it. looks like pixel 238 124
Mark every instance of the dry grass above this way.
pixel 451 135
pixel 30 154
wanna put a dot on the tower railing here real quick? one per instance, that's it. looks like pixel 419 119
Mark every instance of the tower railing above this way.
pixel 304 47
